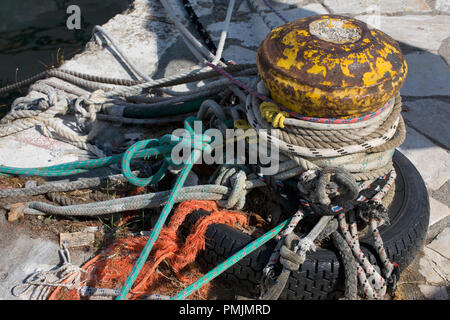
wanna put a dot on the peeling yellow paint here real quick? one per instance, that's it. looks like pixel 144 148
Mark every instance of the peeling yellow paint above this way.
pixel 351 70
pixel 290 59
pixel 316 69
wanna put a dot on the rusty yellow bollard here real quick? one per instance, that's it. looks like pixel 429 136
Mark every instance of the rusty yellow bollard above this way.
pixel 331 66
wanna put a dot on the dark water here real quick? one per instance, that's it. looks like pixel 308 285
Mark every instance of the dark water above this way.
pixel 34 35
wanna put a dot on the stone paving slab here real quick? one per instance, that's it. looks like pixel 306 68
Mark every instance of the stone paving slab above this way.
pixel 443 6
pixel 432 267
pixel 444 50
pixel 432 162
pixel 438 211
pixel 281 4
pixel 22 254
pixel 434 292
pixel 298 13
pixel 431 117
pixel 439 219
pixel 251 30
pixel 425 32
pixel 441 245
pixel 22 257
pixel 143 40
pixel 442 194
pixel 435 266
pixel 377 6
pixel 428 75
pixel 45 151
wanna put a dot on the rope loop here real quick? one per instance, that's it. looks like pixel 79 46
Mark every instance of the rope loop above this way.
pixel 272 113
pixel 163 147
pixel 341 178
pixel 288 257
pixel 329 190
pixel 293 251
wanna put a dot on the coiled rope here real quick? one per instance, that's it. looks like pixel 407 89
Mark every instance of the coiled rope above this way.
pixel 312 145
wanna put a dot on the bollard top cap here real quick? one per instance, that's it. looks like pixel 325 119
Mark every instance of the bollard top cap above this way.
pixel 331 66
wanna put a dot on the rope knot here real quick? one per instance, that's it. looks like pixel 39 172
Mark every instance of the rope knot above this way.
pixel 293 252
pixel 235 177
pixel 372 210
pixel 272 113
pixel 97 97
pixel 330 190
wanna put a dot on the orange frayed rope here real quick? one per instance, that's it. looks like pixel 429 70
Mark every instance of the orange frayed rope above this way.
pixel 110 268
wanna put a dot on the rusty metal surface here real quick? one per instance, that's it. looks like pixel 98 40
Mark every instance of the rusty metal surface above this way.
pixel 331 66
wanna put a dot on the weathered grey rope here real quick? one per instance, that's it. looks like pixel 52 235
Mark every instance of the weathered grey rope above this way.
pixel 212 85
pixel 185 77
pixel 203 73
pixel 350 265
pixel 323 139
pixel 159 121
pixel 58 105
pixel 257 122
pixel 152 200
pixel 90 197
pixel 23 83
pixel 80 82
pixel 355 158
pixel 321 136
pixel 100 79
pixel 236 181
pixel 82 183
pixel 185 98
pixel 200 73
pixel 72 91
pixel 360 171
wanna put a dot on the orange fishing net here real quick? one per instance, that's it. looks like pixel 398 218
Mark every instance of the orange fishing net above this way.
pixel 111 267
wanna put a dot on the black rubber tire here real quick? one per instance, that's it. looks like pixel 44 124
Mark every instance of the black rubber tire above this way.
pixel 321 275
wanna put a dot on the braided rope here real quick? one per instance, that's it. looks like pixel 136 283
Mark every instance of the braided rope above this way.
pixel 298 254
pixel 224 33
pixel 232 192
pixel 326 143
pixel 287 142
pixel 106 292
pixel 57 105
